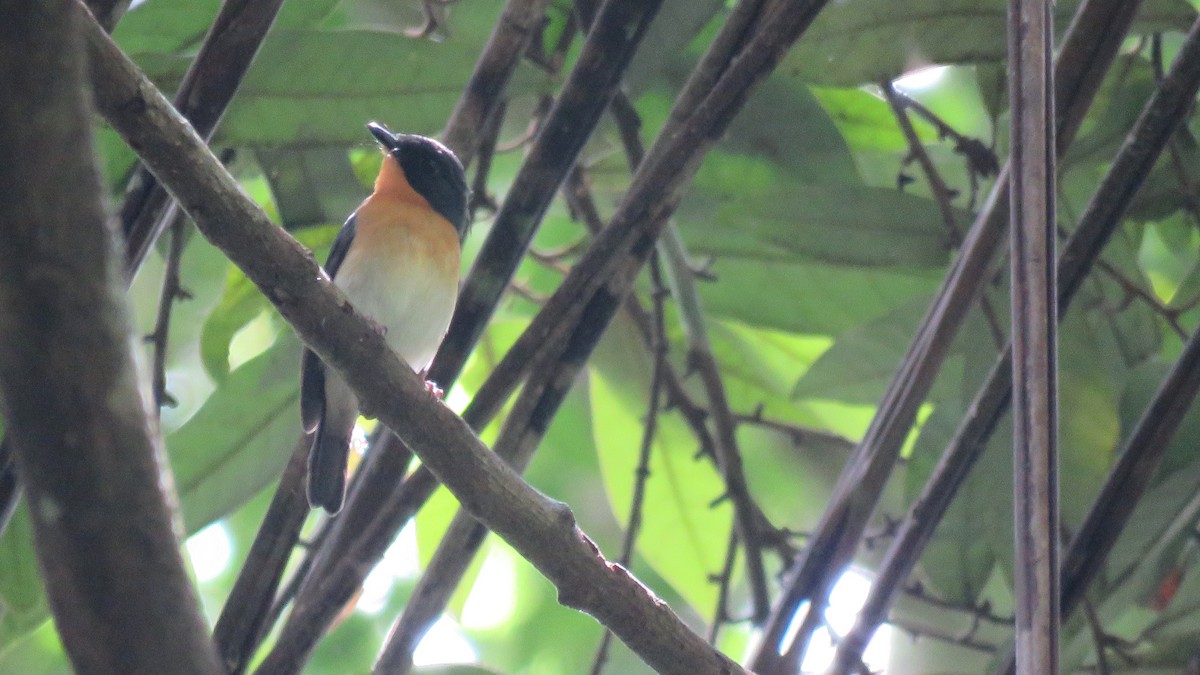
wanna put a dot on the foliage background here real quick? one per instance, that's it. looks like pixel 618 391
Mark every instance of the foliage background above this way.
pixel 822 269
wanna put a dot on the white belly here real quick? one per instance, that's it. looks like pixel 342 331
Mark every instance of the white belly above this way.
pixel 412 298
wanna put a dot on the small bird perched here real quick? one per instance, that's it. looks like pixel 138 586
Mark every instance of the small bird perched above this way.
pixel 397 260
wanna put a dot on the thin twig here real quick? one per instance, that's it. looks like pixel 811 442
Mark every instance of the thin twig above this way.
pixel 642 472
pixel 800 434
pixel 981 612
pixel 480 199
pixel 682 282
pixel 1168 314
pixel 981 160
pixel 1099 637
pixel 934 634
pixel 942 194
pixel 721 612
pixel 171 291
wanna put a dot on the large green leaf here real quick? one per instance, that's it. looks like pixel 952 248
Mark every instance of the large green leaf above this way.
pixel 864 359
pixel 232 449
pixel 906 35
pixel 350 77
pixel 807 298
pixel 735 210
pixel 23 604
pixel 242 302
pixel 683 535
pixel 311 186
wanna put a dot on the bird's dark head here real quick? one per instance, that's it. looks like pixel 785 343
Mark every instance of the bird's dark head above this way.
pixel 432 170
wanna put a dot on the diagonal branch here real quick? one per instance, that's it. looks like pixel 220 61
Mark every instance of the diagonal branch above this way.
pixel 542 530
pixel 1088 49
pixel 81 429
pixel 205 93
pixel 243 619
pixel 517 26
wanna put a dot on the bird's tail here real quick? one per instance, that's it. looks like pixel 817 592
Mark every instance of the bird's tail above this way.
pixel 327 468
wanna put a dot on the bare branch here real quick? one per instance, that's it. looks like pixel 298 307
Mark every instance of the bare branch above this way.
pixel 203 96
pixel 242 622
pixel 171 292
pixel 519 21
pixel 1034 337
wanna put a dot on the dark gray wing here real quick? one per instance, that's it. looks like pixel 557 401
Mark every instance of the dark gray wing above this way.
pixel 312 373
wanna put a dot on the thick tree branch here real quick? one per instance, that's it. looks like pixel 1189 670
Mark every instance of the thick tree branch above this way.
pixel 79 422
pixel 1088 49
pixel 542 530
pixel 1145 142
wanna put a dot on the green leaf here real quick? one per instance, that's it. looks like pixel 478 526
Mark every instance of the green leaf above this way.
pixel 863 360
pixel 312 186
pixel 231 449
pixel 23 604
pixel 805 142
pixel 683 536
pixel 904 36
pixel 807 298
pixel 739 208
pixel 353 76
pixel 242 302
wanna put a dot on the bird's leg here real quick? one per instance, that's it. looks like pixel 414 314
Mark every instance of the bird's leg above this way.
pixel 431 387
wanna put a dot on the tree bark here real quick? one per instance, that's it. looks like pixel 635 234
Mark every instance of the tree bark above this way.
pixel 78 416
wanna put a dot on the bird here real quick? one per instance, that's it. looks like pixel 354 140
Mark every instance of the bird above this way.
pixel 397 260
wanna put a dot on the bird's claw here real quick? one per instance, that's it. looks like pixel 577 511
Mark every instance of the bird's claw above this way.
pixel 380 329
pixel 432 387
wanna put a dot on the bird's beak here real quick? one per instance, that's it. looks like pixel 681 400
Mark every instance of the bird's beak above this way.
pixel 385 137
